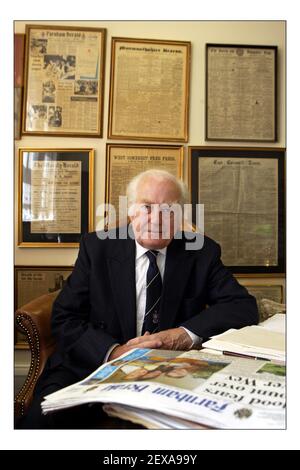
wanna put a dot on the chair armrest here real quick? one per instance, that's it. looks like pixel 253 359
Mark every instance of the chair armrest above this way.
pixel 34 319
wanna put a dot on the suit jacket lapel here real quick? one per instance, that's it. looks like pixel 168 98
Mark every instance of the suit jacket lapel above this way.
pixel 177 270
pixel 121 266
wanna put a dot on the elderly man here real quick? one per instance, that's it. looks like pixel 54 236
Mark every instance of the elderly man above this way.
pixel 146 292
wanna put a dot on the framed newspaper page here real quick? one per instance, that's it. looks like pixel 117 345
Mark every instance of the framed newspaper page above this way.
pixel 55 196
pixel 19 52
pixel 64 81
pixel 33 281
pixel 264 290
pixel 241 93
pixel 270 298
pixel 242 190
pixel 149 89
pixel 124 161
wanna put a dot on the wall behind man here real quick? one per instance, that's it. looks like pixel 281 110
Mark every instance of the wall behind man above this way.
pixel 198 33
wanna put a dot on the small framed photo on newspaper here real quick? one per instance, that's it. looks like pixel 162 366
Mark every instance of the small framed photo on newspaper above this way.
pixel 33 281
pixel 64 81
pixel 149 89
pixel 242 190
pixel 55 196
pixel 241 92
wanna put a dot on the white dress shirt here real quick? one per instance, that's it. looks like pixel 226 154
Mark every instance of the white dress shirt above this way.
pixel 141 268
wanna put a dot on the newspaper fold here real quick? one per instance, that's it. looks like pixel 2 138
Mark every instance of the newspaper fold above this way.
pixel 175 388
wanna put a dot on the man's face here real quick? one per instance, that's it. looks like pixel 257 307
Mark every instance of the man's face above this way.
pixel 153 219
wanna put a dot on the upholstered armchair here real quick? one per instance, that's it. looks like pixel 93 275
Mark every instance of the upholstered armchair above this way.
pixel 34 319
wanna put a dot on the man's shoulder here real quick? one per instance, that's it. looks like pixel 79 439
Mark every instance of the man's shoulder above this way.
pixel 197 243
pixel 106 239
pixel 110 240
pixel 210 243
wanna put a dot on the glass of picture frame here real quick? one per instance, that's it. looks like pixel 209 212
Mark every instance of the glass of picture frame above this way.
pixel 33 281
pixel 242 190
pixel 55 196
pixel 241 92
pixel 149 89
pixel 64 81
pixel 125 161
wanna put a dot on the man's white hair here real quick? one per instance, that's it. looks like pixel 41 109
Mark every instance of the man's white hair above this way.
pixel 159 175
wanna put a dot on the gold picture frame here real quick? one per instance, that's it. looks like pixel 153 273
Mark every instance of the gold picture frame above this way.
pixel 149 89
pixel 120 168
pixel 269 294
pixel 33 281
pixel 55 199
pixel 64 90
pixel 272 289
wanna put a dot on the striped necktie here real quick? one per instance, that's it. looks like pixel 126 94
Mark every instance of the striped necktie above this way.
pixel 153 294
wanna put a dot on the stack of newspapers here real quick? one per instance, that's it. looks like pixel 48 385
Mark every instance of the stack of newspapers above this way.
pixel 183 390
pixel 261 342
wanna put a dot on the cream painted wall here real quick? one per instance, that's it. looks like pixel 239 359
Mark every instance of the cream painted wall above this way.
pixel 199 33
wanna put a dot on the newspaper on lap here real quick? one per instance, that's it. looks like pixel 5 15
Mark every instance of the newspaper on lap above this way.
pixel 176 389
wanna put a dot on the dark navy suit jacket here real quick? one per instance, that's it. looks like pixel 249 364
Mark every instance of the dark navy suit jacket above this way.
pixel 97 306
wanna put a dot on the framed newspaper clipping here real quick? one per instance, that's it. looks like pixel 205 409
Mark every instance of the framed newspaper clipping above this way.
pixel 55 196
pixel 270 297
pixel 33 281
pixel 64 81
pixel 242 190
pixel 124 161
pixel 149 89
pixel 264 290
pixel 241 93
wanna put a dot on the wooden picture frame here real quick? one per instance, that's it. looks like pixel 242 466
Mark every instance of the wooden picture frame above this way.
pixel 149 89
pixel 269 294
pixel 120 168
pixel 33 281
pixel 243 192
pixel 19 57
pixel 56 192
pixel 64 81
pixel 264 290
pixel 241 92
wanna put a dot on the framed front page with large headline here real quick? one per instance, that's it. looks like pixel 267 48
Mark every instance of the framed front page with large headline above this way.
pixel 55 196
pixel 125 161
pixel 64 81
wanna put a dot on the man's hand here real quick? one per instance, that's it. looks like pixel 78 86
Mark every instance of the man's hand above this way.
pixel 175 338
pixel 145 341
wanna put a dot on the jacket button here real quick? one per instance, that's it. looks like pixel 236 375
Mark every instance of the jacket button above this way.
pixel 102 325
